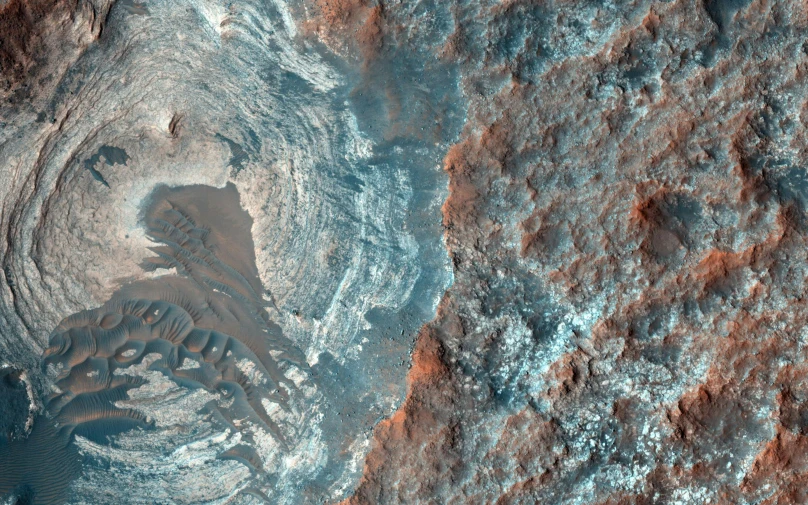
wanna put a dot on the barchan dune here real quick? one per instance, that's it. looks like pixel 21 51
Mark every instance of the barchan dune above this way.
pixel 217 255
pixel 403 252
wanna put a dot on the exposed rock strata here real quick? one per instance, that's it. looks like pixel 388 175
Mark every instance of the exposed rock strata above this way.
pixel 626 224
pixel 349 260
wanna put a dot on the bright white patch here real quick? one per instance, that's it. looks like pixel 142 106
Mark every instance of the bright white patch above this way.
pixel 249 369
pixel 188 364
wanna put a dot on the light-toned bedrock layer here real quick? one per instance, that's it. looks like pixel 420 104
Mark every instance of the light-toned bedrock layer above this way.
pixel 204 327
pixel 201 92
pixel 345 243
pixel 191 366
pixel 183 375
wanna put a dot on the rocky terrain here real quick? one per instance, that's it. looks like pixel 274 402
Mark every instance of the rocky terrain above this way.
pixel 458 252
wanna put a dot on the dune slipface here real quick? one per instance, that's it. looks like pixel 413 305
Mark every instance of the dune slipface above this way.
pixel 205 327
pixel 403 252
pixel 200 324
pixel 220 240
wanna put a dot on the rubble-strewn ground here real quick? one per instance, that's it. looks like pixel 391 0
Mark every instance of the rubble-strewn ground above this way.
pixel 621 309
pixel 626 224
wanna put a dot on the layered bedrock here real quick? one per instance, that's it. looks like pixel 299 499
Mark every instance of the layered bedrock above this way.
pixel 199 325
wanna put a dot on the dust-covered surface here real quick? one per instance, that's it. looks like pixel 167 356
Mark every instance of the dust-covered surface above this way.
pixel 403 251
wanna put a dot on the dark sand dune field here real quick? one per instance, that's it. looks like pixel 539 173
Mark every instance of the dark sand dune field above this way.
pixel 367 252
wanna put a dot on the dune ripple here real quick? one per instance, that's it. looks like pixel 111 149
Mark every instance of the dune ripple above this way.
pixel 343 251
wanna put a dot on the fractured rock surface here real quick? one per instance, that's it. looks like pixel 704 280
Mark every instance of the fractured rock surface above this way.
pixel 626 224
pixel 233 271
